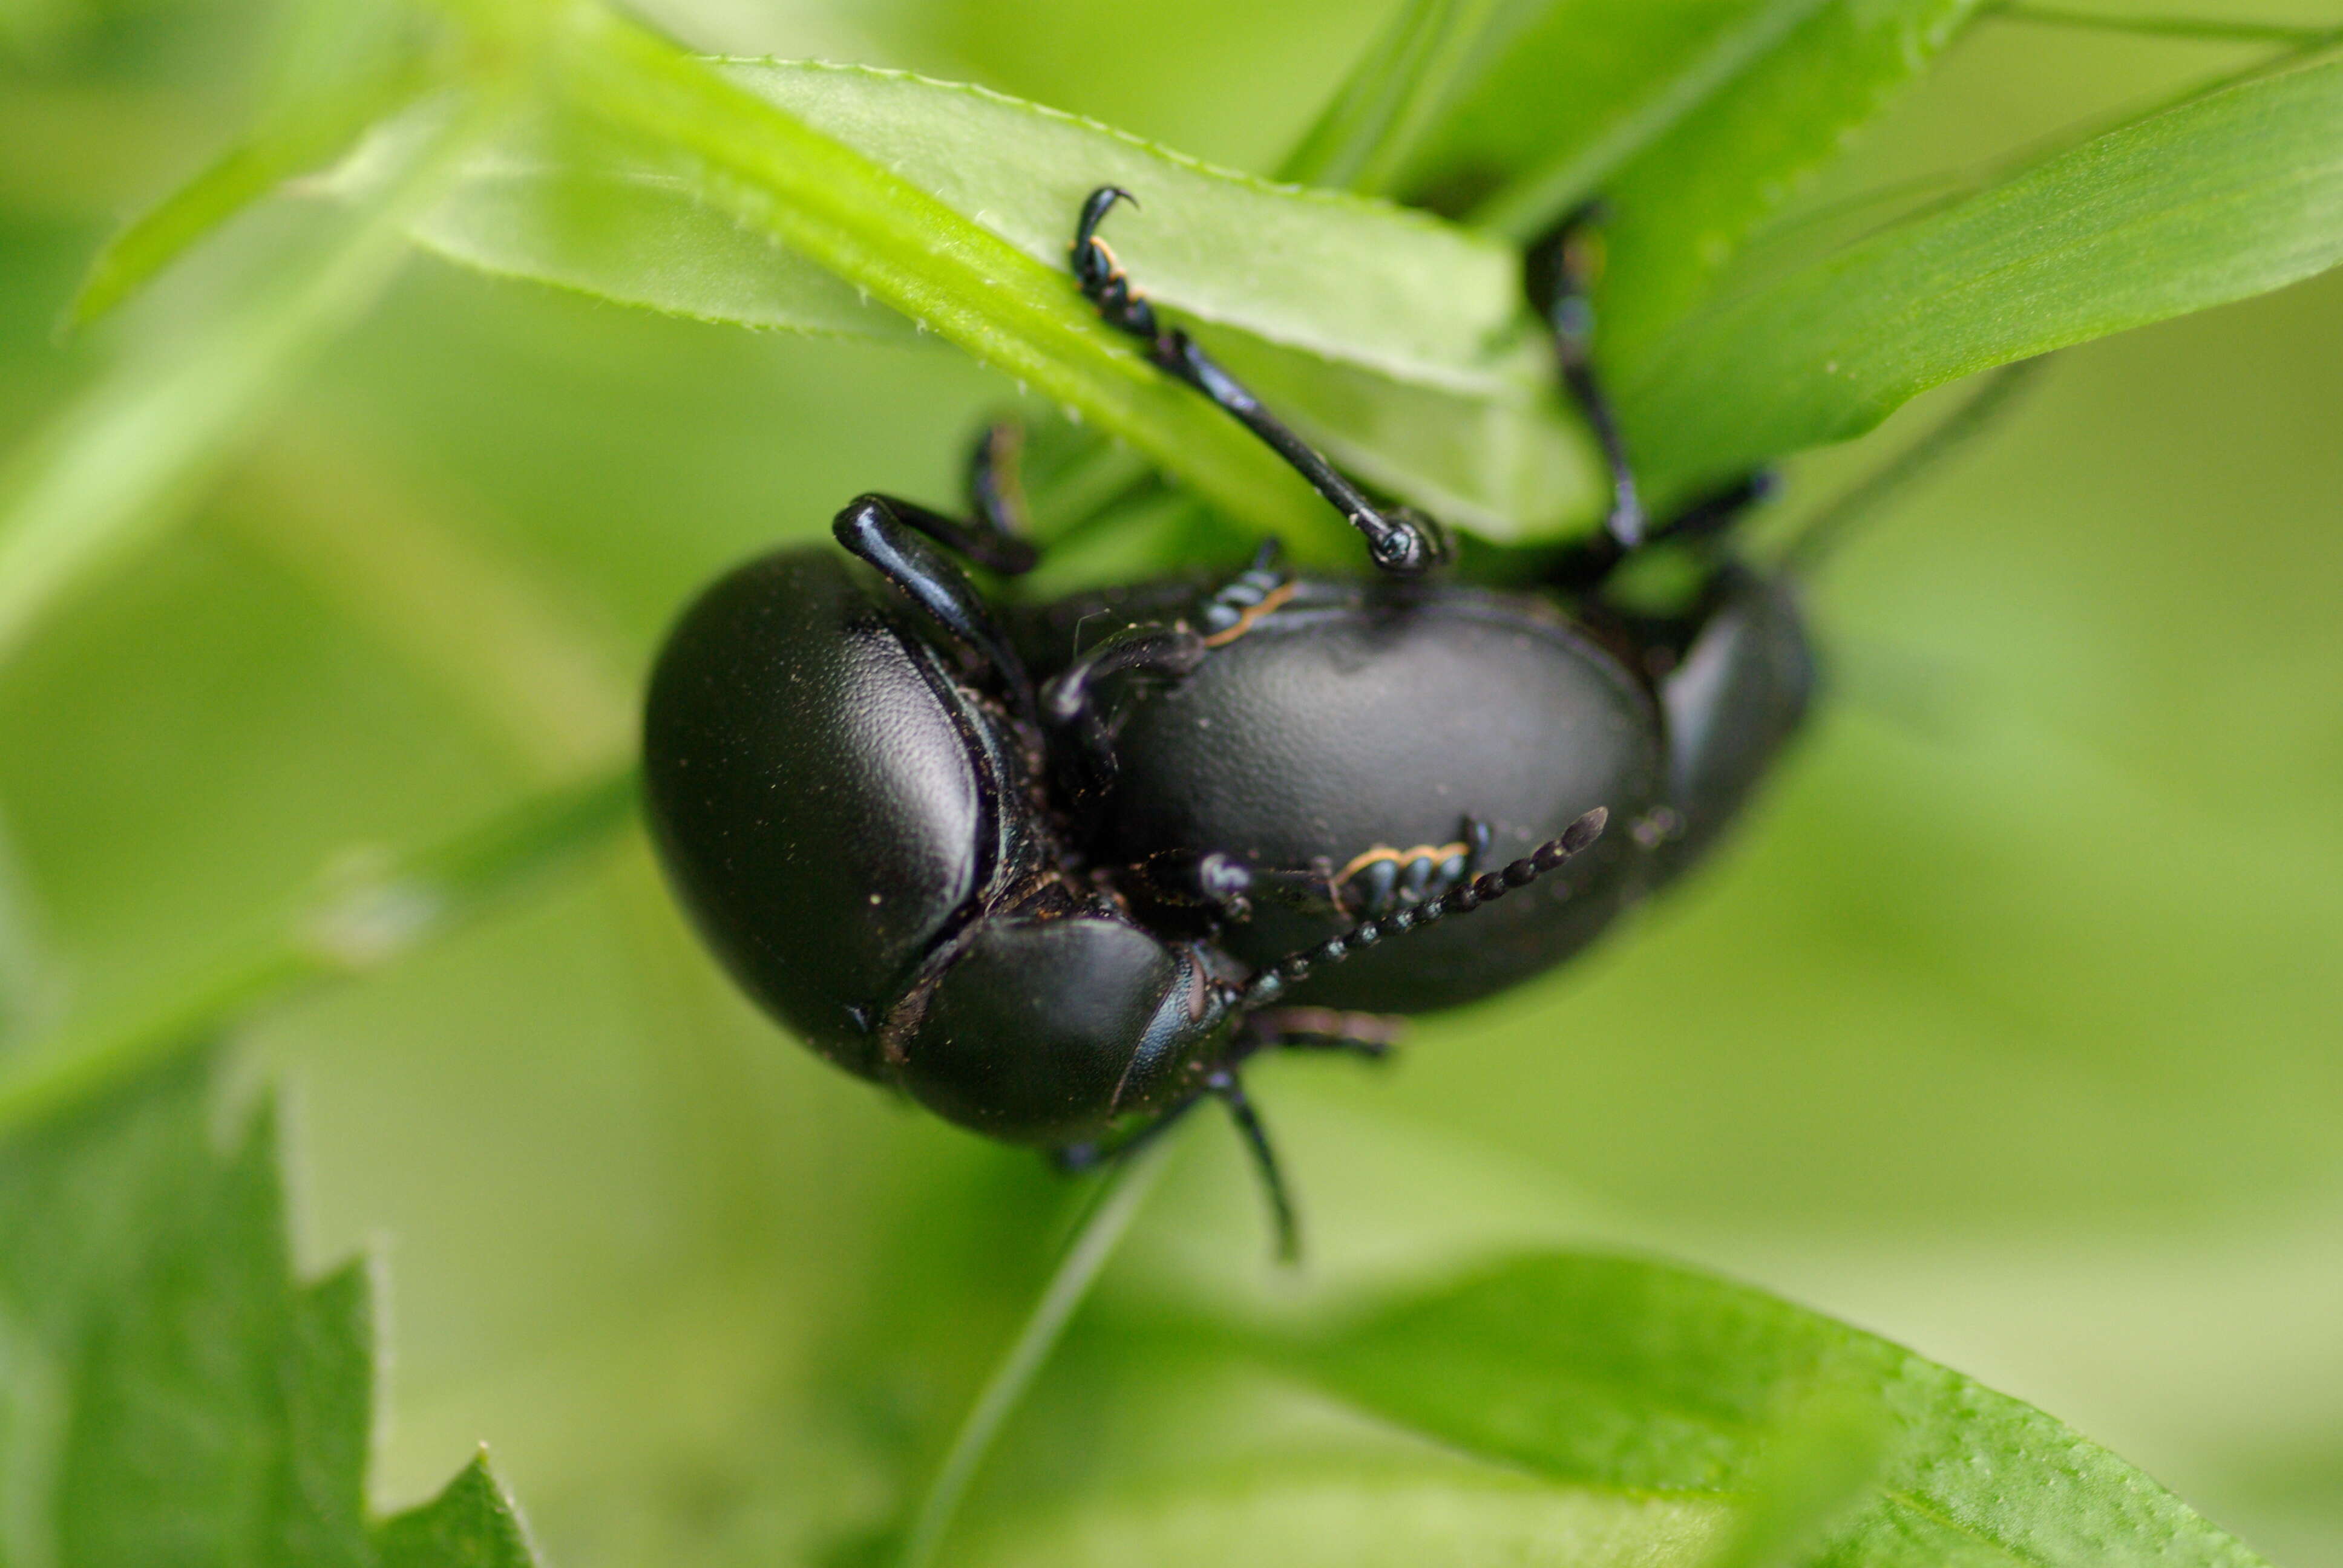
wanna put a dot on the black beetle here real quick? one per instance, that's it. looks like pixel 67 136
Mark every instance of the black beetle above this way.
pixel 1058 894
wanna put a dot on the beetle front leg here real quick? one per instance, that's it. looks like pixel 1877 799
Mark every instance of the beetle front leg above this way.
pixel 1210 878
pixel 1223 1083
pixel 877 529
pixel 1371 1035
pixel 1068 701
pixel 1400 539
pixel 1559 272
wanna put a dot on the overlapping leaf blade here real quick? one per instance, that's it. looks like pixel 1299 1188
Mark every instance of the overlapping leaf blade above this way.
pixel 1685 202
pixel 1402 90
pixel 1369 317
pixel 2230 195
pixel 1692 119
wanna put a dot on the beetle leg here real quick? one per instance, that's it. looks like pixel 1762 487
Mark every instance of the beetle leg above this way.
pixel 982 542
pixel 1237 606
pixel 1369 1034
pixel 1719 510
pixel 996 491
pixel 872 528
pixel 1584 566
pixel 1559 272
pixel 1222 1082
pixel 1399 539
pixel 1194 878
pixel 1069 699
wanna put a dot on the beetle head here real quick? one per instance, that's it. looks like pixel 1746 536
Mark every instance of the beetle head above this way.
pixel 1049 1029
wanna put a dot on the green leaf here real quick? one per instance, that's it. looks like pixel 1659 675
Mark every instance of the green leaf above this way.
pixel 29 984
pixel 2228 195
pixel 1399 92
pixel 1692 119
pixel 470 1524
pixel 1512 467
pixel 167 1394
pixel 560 202
pixel 114 469
pixel 1567 91
pixel 1372 319
pixel 855 218
pixel 1359 282
pixel 360 923
pixel 1379 1517
pixel 302 136
pixel 1643 1379
pixel 1683 204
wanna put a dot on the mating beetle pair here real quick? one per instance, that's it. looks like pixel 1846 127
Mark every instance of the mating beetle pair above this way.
pixel 1058 871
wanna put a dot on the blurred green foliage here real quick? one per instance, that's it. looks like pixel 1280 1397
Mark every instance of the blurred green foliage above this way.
pixel 2008 1030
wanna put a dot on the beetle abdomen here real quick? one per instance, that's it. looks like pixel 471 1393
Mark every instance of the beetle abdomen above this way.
pixel 1323 733
pixel 814 793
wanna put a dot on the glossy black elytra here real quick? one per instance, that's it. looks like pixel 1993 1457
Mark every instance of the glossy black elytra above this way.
pixel 1056 871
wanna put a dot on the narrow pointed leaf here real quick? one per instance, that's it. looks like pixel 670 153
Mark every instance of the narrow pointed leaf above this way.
pixel 1359 282
pixel 1683 204
pixel 2226 197
pixel 119 466
pixel 855 218
pixel 1400 93
pixel 1375 318
pixel 1571 89
pixel 305 137
pixel 1692 119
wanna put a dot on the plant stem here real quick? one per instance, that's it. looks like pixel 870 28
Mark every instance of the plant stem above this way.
pixel 355 928
pixel 2201 29
pixel 123 463
pixel 1127 1183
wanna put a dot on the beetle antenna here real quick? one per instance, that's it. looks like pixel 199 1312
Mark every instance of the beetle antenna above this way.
pixel 1829 529
pixel 1224 1085
pixel 1270 983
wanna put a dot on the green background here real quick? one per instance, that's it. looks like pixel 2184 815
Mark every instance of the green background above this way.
pixel 2009 1030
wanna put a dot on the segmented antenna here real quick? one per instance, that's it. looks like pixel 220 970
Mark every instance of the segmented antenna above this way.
pixel 1270 983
